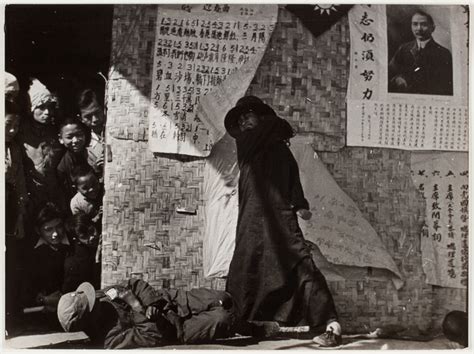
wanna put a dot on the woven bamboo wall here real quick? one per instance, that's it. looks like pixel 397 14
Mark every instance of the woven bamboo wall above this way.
pixel 305 80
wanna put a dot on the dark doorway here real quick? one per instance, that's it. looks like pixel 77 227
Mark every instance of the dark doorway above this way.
pixel 65 46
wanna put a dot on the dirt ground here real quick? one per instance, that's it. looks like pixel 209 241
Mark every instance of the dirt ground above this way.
pixel 79 340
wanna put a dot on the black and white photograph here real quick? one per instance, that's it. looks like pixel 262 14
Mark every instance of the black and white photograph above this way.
pixel 235 176
pixel 419 50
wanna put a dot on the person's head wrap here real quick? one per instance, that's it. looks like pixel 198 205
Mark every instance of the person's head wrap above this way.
pixel 245 105
pixel 11 86
pixel 74 307
pixel 39 95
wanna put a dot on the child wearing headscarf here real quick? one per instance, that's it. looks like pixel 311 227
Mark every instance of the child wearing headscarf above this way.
pixel 42 151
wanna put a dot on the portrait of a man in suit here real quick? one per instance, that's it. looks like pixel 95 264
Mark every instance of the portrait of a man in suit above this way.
pixel 421 66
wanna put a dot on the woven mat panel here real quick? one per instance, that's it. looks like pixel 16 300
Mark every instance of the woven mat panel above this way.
pixel 379 182
pixel 145 236
pixel 446 300
pixel 128 90
pixel 305 78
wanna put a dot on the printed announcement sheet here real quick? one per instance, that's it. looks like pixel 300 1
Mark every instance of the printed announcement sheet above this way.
pixel 196 48
pixel 406 92
pixel 443 181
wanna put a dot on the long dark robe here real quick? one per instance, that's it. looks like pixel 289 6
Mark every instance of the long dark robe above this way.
pixel 272 275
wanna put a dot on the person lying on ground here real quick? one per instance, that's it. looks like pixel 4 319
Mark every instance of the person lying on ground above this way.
pixel 133 314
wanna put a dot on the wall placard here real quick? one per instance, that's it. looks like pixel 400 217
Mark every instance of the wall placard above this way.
pixel 196 48
pixel 408 86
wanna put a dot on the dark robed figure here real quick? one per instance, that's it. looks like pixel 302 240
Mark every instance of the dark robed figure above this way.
pixel 272 276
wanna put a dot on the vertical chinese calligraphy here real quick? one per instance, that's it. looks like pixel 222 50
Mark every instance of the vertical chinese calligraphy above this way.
pixel 443 181
pixel 417 121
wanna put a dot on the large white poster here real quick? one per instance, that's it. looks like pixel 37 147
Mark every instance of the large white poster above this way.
pixel 196 48
pixel 408 84
pixel 442 178
pixel 337 226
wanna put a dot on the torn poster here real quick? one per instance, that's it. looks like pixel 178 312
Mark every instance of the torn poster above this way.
pixel 337 226
pixel 442 178
pixel 196 48
pixel 408 83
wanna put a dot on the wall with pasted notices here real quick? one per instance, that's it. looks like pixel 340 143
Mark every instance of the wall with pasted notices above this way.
pixel 305 79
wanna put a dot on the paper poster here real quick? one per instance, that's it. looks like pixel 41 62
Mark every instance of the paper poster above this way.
pixel 408 77
pixel 344 238
pixel 221 207
pixel 214 106
pixel 337 226
pixel 196 48
pixel 442 178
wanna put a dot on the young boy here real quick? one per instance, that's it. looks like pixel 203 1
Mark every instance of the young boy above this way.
pixel 92 115
pixel 80 264
pixel 88 198
pixel 75 137
pixel 47 263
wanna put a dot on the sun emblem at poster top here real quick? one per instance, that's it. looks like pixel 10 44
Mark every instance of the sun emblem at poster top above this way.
pixel 325 8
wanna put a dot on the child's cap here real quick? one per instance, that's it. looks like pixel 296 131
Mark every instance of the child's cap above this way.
pixel 39 94
pixel 74 307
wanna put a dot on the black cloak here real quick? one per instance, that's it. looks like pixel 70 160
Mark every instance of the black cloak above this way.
pixel 272 275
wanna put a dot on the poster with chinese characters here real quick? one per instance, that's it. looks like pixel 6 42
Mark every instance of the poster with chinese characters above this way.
pixel 337 226
pixel 442 178
pixel 196 47
pixel 408 83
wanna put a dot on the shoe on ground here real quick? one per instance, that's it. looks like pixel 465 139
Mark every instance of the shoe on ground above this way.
pixel 328 339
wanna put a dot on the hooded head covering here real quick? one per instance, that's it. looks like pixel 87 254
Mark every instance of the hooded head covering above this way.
pixel 244 105
pixel 11 86
pixel 39 94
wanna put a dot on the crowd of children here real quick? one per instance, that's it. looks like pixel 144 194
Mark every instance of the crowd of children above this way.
pixel 54 189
